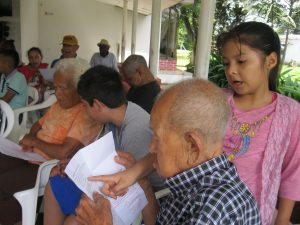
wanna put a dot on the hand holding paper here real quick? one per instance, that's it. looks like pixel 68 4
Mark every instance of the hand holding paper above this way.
pixel 10 148
pixel 98 159
pixel 114 183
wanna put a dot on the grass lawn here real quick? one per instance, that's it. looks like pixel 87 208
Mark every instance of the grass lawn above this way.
pixel 183 59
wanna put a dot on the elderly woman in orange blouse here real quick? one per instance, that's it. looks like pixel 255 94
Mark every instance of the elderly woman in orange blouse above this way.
pixel 64 129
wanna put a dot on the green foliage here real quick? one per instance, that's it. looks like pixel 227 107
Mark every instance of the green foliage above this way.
pixel 188 25
pixel 216 71
pixel 228 14
pixel 289 84
pixel 280 15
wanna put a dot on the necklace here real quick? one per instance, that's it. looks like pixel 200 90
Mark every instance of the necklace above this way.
pixel 245 131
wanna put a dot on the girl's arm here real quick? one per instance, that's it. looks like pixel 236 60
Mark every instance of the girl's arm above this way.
pixel 285 209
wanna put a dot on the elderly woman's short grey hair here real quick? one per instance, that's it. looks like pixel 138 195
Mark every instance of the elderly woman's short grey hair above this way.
pixel 75 67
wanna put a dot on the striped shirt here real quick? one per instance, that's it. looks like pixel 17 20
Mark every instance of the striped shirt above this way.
pixel 210 193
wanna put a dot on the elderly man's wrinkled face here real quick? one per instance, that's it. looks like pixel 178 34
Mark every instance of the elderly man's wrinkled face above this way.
pixel 166 143
pixel 65 90
pixel 103 50
pixel 69 51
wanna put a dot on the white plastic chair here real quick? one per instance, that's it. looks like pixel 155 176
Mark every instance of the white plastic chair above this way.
pixel 28 198
pixel 32 93
pixel 159 194
pixel 6 119
pixel 20 127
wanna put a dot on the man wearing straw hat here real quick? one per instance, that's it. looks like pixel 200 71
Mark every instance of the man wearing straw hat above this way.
pixel 104 57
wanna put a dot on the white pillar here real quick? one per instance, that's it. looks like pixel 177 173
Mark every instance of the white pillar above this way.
pixel 134 22
pixel 29 26
pixel 206 19
pixel 124 28
pixel 155 37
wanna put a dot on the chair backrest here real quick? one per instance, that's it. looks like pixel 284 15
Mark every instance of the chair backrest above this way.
pixel 21 117
pixel 32 95
pixel 28 198
pixel 6 119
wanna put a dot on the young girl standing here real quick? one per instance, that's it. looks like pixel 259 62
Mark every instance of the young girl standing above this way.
pixel 262 137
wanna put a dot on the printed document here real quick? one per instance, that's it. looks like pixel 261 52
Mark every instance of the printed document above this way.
pixel 10 148
pixel 98 159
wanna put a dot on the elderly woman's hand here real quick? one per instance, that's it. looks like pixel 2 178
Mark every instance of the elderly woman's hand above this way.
pixel 27 142
pixel 97 212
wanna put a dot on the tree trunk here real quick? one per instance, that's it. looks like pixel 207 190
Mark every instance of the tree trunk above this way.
pixel 287 32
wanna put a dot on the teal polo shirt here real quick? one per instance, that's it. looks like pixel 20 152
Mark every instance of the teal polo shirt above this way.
pixel 16 82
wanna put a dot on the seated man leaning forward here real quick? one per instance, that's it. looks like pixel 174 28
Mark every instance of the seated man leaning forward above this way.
pixel 101 91
pixel 144 87
pixel 59 134
pixel 188 122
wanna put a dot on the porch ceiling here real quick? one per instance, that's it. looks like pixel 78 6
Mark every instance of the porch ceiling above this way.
pixel 145 6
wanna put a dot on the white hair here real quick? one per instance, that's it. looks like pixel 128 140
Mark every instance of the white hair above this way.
pixel 201 106
pixel 75 67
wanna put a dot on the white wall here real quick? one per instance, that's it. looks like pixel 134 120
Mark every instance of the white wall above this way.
pixel 89 21
pixel 29 22
pixel 293 48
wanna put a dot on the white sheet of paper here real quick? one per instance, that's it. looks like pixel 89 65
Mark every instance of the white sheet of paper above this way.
pixel 98 159
pixel 10 148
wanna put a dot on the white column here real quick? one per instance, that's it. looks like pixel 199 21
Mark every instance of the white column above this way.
pixel 124 28
pixel 155 37
pixel 205 19
pixel 29 26
pixel 134 22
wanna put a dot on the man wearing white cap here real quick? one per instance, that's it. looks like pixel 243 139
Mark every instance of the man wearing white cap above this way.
pixel 104 57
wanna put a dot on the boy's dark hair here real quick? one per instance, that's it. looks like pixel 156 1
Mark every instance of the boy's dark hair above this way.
pixel 258 36
pixel 12 56
pixel 102 83
pixel 35 49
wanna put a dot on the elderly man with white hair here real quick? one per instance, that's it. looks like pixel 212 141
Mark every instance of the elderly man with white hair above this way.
pixel 64 129
pixel 188 122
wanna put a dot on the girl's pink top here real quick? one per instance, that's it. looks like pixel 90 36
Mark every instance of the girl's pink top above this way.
pixel 271 164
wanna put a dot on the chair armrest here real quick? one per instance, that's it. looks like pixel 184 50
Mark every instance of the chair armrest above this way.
pixel 42 105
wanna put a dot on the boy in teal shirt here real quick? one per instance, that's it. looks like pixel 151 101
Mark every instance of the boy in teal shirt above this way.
pixel 13 85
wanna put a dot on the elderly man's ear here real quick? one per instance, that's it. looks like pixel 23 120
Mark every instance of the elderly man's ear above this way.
pixel 195 150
